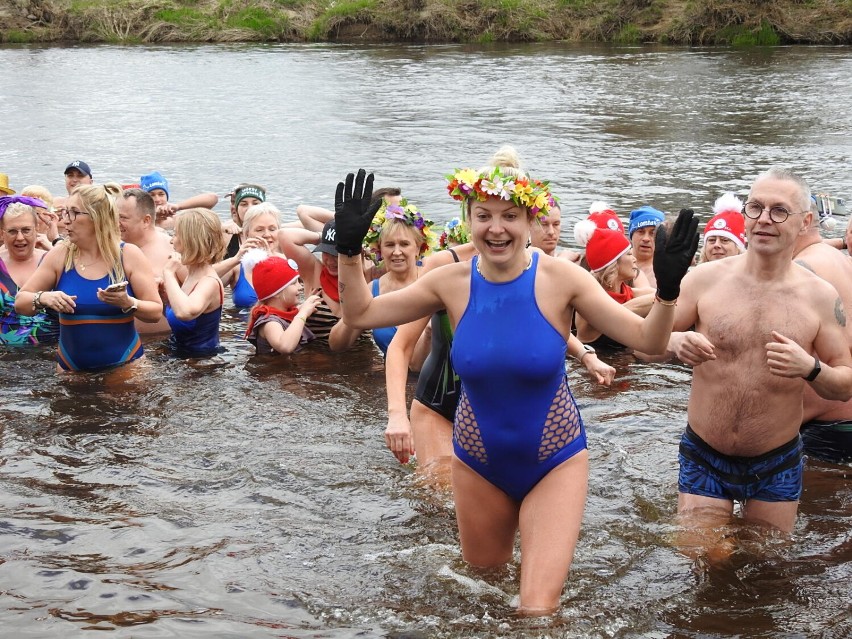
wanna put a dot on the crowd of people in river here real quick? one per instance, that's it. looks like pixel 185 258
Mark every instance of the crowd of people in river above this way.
pixel 486 312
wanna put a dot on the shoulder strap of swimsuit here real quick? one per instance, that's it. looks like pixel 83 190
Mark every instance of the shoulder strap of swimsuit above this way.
pixel 454 254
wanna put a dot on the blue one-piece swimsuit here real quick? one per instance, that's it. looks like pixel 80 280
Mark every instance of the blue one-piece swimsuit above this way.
pixel 96 335
pixel 198 337
pixel 516 419
pixel 382 336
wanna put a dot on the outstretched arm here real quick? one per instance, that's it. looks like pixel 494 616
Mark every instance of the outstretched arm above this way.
pixel 353 215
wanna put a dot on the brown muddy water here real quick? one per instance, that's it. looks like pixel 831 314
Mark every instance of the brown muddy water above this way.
pixel 253 497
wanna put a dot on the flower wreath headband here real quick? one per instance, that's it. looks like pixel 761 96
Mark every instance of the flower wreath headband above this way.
pixel 468 184
pixel 455 232
pixel 406 213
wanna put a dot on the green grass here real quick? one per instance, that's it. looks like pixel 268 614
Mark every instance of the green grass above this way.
pixel 719 22
pixel 741 36
pixel 628 34
pixel 335 13
pixel 16 36
pixel 182 16
pixel 348 8
pixel 259 20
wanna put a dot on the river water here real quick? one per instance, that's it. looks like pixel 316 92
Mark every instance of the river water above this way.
pixel 252 497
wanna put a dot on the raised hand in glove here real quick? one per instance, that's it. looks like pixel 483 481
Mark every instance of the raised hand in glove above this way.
pixel 353 212
pixel 673 254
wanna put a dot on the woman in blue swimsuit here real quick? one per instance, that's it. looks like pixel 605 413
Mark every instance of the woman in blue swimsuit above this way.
pixel 521 459
pixel 195 307
pixel 97 284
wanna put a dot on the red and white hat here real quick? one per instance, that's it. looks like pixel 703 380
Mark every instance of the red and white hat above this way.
pixel 270 274
pixel 603 245
pixel 604 217
pixel 728 220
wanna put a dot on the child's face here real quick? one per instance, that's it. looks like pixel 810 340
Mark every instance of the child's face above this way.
pixel 292 293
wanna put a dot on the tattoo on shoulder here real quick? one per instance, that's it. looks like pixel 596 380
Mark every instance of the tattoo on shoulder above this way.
pixel 341 287
pixel 805 264
pixel 839 313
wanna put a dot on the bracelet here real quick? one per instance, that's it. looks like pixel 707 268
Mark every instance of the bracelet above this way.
pixel 352 260
pixel 57 240
pixel 299 317
pixel 37 305
pixel 663 302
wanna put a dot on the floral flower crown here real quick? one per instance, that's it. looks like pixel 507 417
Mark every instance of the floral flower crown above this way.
pixel 406 213
pixel 455 232
pixel 467 184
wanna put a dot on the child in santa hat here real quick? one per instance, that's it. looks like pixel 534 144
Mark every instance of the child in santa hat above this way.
pixel 277 323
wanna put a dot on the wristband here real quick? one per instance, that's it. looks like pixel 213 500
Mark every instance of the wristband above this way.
pixel 586 350
pixel 816 371
pixel 663 302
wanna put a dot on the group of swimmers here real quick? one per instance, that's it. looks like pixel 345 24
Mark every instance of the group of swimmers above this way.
pixel 487 322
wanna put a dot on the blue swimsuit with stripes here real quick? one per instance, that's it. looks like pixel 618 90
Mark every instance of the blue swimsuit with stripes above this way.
pixel 96 335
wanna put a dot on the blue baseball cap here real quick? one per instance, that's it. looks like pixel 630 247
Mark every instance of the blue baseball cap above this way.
pixel 644 216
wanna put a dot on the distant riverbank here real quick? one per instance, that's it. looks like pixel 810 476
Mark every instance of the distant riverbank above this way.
pixel 682 22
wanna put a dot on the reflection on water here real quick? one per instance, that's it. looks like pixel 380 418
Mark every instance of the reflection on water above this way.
pixel 253 497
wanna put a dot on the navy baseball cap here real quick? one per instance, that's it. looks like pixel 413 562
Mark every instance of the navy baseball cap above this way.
pixel 80 166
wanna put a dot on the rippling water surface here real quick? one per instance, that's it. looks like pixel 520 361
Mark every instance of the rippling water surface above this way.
pixel 253 497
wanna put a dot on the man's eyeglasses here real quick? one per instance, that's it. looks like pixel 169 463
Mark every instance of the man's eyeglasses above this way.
pixel 72 214
pixel 754 210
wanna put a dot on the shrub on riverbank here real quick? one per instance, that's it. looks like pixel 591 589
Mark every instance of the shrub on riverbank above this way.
pixel 736 22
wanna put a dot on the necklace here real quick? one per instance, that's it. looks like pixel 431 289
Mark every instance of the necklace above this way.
pixel 79 264
pixel 479 265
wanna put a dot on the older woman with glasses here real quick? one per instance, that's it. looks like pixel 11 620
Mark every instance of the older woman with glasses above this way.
pixel 97 284
pixel 19 259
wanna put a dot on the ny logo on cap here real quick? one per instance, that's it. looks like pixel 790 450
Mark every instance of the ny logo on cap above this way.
pixel 329 235
pixel 75 163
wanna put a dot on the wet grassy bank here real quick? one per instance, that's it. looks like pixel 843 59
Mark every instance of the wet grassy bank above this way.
pixel 704 22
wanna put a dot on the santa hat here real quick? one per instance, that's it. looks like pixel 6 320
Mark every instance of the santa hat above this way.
pixel 728 220
pixel 270 274
pixel 603 245
pixel 604 217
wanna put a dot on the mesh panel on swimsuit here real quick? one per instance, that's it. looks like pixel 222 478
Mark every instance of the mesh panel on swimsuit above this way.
pixel 466 431
pixel 563 423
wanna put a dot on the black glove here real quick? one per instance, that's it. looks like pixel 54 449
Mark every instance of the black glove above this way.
pixel 673 254
pixel 353 212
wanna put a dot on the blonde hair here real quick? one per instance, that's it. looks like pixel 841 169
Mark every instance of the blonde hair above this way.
pixel 200 233
pixel 100 202
pixel 392 226
pixel 37 190
pixel 256 210
pixel 607 276
pixel 17 209
pixel 509 162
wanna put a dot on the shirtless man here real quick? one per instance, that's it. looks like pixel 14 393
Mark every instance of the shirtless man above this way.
pixel 759 318
pixel 827 425
pixel 544 235
pixel 136 223
pixel 641 231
